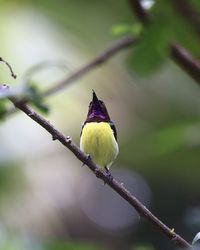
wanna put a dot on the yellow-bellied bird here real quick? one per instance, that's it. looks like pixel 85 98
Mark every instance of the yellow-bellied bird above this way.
pixel 99 135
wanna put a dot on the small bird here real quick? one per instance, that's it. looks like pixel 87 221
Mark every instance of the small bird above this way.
pixel 99 135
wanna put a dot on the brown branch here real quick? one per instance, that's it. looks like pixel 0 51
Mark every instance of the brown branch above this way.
pixel 140 12
pixel 191 15
pixel 10 68
pixel 96 62
pixel 179 54
pixel 117 187
pixel 104 56
pixel 185 60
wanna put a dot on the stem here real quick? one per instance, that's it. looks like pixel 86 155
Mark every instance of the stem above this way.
pixel 125 42
pixel 117 187
pixel 179 54
pixel 189 13
pixel 10 68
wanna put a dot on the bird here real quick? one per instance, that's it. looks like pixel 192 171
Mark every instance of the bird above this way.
pixel 99 135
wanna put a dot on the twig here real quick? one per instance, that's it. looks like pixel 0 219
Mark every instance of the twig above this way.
pixel 120 189
pixel 191 15
pixel 104 56
pixel 179 54
pixel 186 61
pixel 10 68
pixel 97 61
pixel 141 13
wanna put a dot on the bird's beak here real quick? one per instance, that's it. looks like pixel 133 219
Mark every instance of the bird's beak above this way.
pixel 95 98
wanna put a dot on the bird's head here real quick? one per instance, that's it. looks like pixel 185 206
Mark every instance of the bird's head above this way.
pixel 97 110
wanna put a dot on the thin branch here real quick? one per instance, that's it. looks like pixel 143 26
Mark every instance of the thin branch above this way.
pixel 117 187
pixel 104 56
pixel 96 62
pixel 10 68
pixel 191 15
pixel 140 12
pixel 179 54
pixel 185 60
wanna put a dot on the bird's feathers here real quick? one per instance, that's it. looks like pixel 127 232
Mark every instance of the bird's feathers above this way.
pixel 98 139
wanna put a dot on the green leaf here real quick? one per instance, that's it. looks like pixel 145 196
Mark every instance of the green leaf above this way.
pixel 36 98
pixel 181 31
pixel 123 29
pixel 196 5
pixel 120 29
pixel 2 109
pixel 151 50
pixel 148 247
pixel 70 246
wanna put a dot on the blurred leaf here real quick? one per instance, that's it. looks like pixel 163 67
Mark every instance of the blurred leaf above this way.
pixel 33 93
pixel 143 248
pixel 123 29
pixel 180 30
pixel 164 141
pixel 71 246
pixel 2 109
pixel 152 49
pixel 196 4
pixel 11 179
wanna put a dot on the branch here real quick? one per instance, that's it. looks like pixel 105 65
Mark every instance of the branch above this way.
pixel 185 60
pixel 97 61
pixel 117 187
pixel 140 12
pixel 190 14
pixel 10 68
pixel 179 54
pixel 104 56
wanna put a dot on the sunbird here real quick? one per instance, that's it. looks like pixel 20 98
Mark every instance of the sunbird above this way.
pixel 99 135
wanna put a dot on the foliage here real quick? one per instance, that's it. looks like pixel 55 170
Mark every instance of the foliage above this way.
pixel 165 152
pixel 153 49
pixel 34 95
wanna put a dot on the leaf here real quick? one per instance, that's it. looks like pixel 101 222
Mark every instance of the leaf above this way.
pixel 36 98
pixel 181 31
pixel 196 5
pixel 152 49
pixel 2 109
pixel 124 29
pixel 70 246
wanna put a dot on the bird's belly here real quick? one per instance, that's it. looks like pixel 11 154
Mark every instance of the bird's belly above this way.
pixel 98 141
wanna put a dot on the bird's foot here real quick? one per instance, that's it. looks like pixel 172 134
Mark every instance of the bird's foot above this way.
pixel 108 174
pixel 97 172
pixel 88 158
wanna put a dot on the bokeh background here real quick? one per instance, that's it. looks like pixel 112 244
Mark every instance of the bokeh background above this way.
pixel 47 200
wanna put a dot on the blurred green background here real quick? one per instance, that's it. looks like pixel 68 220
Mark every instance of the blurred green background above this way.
pixel 47 201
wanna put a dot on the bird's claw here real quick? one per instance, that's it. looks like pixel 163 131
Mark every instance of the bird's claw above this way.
pixel 108 175
pixel 88 158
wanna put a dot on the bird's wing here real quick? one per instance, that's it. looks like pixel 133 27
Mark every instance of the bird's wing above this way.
pixel 112 125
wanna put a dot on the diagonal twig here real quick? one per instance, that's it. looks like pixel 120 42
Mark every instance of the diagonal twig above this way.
pixel 104 56
pixel 179 54
pixel 182 57
pixel 189 13
pixel 112 182
pixel 96 62
pixel 10 68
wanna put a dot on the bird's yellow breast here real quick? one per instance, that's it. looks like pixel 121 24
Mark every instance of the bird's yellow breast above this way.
pixel 98 141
